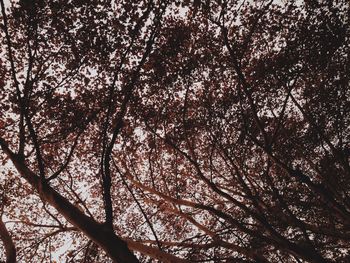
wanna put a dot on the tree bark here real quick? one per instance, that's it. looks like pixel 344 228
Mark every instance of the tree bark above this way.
pixel 117 249
pixel 114 246
pixel 10 249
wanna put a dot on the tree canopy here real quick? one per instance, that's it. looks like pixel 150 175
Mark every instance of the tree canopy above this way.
pixel 175 131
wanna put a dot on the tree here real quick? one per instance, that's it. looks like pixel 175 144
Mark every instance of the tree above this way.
pixel 175 131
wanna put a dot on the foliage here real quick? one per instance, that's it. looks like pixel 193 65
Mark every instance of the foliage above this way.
pixel 175 131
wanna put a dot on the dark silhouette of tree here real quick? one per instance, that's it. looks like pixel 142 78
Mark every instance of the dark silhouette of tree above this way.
pixel 175 131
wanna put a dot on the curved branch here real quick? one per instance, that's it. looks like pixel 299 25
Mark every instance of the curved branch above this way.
pixel 115 247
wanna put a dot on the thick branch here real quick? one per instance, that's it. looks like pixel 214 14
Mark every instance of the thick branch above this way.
pixel 10 249
pixel 117 249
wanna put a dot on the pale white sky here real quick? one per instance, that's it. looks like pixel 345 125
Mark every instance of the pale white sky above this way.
pixel 7 2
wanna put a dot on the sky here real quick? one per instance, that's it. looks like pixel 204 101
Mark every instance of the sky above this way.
pixel 7 2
